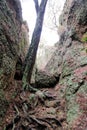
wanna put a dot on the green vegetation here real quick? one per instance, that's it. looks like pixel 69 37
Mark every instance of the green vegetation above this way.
pixel 72 113
pixel 84 38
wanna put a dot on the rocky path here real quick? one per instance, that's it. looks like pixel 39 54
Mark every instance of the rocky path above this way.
pixel 34 111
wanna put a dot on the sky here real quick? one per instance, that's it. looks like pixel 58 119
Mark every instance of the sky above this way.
pixel 48 36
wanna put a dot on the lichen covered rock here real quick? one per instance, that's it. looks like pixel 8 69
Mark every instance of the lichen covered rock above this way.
pixel 73 66
pixel 12 43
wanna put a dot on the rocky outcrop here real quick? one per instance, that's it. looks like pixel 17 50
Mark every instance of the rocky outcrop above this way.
pixel 12 44
pixel 70 61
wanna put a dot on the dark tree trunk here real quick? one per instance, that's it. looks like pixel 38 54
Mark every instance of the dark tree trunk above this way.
pixel 31 55
pixel 36 6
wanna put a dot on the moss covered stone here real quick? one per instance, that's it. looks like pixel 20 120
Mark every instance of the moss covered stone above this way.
pixel 82 60
pixel 11 37
pixel 72 112
pixel 44 79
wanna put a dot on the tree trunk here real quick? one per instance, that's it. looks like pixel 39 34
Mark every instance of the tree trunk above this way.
pixel 36 6
pixel 31 55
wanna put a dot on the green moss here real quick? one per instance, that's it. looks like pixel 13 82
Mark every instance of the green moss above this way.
pixel 67 70
pixel 72 106
pixel 86 50
pixel 83 88
pixel 1 78
pixel 23 43
pixel 82 60
pixel 72 112
pixel 72 87
pixel 32 97
pixel 84 38
pixel 1 72
pixel 14 94
pixel 8 64
pixel 70 96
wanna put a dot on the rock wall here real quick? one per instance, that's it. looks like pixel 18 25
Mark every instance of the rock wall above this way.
pixel 70 61
pixel 12 45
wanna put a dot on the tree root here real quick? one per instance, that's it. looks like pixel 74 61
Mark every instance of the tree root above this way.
pixel 12 124
pixel 41 94
pixel 45 121
pixel 15 107
pixel 49 95
pixel 23 116
pixel 27 86
pixel 54 119
pixel 41 122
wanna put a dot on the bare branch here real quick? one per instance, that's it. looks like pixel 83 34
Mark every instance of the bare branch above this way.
pixel 52 21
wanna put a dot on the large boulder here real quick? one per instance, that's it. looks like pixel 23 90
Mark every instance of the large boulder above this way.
pixel 70 60
pixel 44 79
